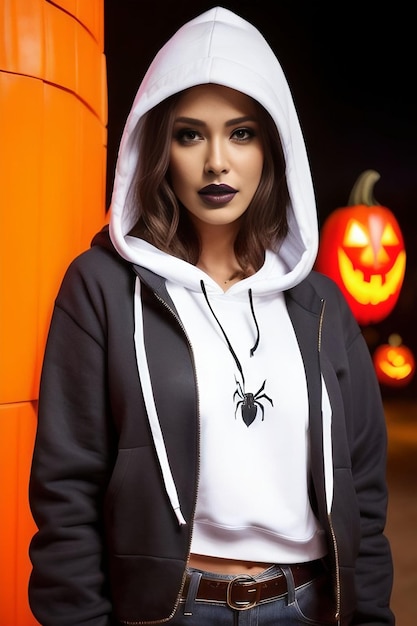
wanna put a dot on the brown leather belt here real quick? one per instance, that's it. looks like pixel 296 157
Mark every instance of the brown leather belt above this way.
pixel 244 592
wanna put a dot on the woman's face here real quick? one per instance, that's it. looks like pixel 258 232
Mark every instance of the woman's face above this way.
pixel 216 154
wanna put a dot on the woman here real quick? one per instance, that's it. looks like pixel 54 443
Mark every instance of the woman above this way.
pixel 211 439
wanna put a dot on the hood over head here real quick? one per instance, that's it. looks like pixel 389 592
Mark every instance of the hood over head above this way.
pixel 220 47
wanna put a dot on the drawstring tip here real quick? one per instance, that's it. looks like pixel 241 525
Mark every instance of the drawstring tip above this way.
pixel 180 518
pixel 252 351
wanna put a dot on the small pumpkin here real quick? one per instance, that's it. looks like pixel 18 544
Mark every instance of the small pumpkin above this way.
pixel 394 363
pixel 362 249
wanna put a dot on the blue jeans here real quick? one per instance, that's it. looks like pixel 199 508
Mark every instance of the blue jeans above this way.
pixel 312 604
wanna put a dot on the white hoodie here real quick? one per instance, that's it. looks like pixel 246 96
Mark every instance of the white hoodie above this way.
pixel 253 500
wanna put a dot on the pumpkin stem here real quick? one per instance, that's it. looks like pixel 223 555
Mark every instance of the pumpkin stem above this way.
pixel 362 190
pixel 395 340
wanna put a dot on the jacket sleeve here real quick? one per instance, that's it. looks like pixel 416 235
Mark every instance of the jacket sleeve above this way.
pixel 70 467
pixel 367 439
pixel 369 456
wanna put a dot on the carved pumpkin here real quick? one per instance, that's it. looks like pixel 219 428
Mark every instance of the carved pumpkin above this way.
pixel 362 249
pixel 394 363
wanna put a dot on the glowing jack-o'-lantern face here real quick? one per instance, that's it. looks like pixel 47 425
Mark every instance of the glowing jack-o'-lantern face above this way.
pixel 371 257
pixel 362 249
pixel 394 364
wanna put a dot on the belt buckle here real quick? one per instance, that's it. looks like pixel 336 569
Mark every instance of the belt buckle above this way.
pixel 241 606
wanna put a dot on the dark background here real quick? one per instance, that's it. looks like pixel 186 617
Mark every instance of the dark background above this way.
pixel 351 67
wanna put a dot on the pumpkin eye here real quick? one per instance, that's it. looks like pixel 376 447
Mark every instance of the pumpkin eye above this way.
pixel 356 236
pixel 389 237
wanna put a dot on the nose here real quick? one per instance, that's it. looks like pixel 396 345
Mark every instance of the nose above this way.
pixel 216 158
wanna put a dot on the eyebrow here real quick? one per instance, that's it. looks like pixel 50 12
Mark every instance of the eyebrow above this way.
pixel 195 122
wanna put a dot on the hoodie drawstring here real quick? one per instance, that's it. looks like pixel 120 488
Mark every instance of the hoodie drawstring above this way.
pixel 252 351
pixel 232 352
pixel 145 379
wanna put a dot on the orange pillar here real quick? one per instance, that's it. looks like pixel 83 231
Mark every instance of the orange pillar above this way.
pixel 53 116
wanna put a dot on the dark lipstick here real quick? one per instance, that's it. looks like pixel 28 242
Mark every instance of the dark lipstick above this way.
pixel 217 194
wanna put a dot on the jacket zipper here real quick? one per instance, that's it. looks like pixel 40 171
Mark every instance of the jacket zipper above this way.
pixel 329 517
pixel 181 325
pixel 336 554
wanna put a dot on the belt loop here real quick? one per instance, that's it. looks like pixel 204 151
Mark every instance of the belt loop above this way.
pixel 195 578
pixel 290 584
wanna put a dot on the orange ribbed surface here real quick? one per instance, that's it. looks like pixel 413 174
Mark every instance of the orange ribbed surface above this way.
pixel 53 116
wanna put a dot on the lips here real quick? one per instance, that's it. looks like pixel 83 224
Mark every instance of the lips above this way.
pixel 217 194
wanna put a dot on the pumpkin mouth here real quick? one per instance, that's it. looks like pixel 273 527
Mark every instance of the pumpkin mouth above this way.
pixel 397 369
pixel 379 287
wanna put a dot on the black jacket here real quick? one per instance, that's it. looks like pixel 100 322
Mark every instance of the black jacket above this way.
pixel 109 546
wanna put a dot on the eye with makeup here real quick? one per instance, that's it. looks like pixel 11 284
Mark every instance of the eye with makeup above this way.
pixel 187 136
pixel 243 135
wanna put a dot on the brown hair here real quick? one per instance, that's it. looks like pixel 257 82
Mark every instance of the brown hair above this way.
pixel 163 221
